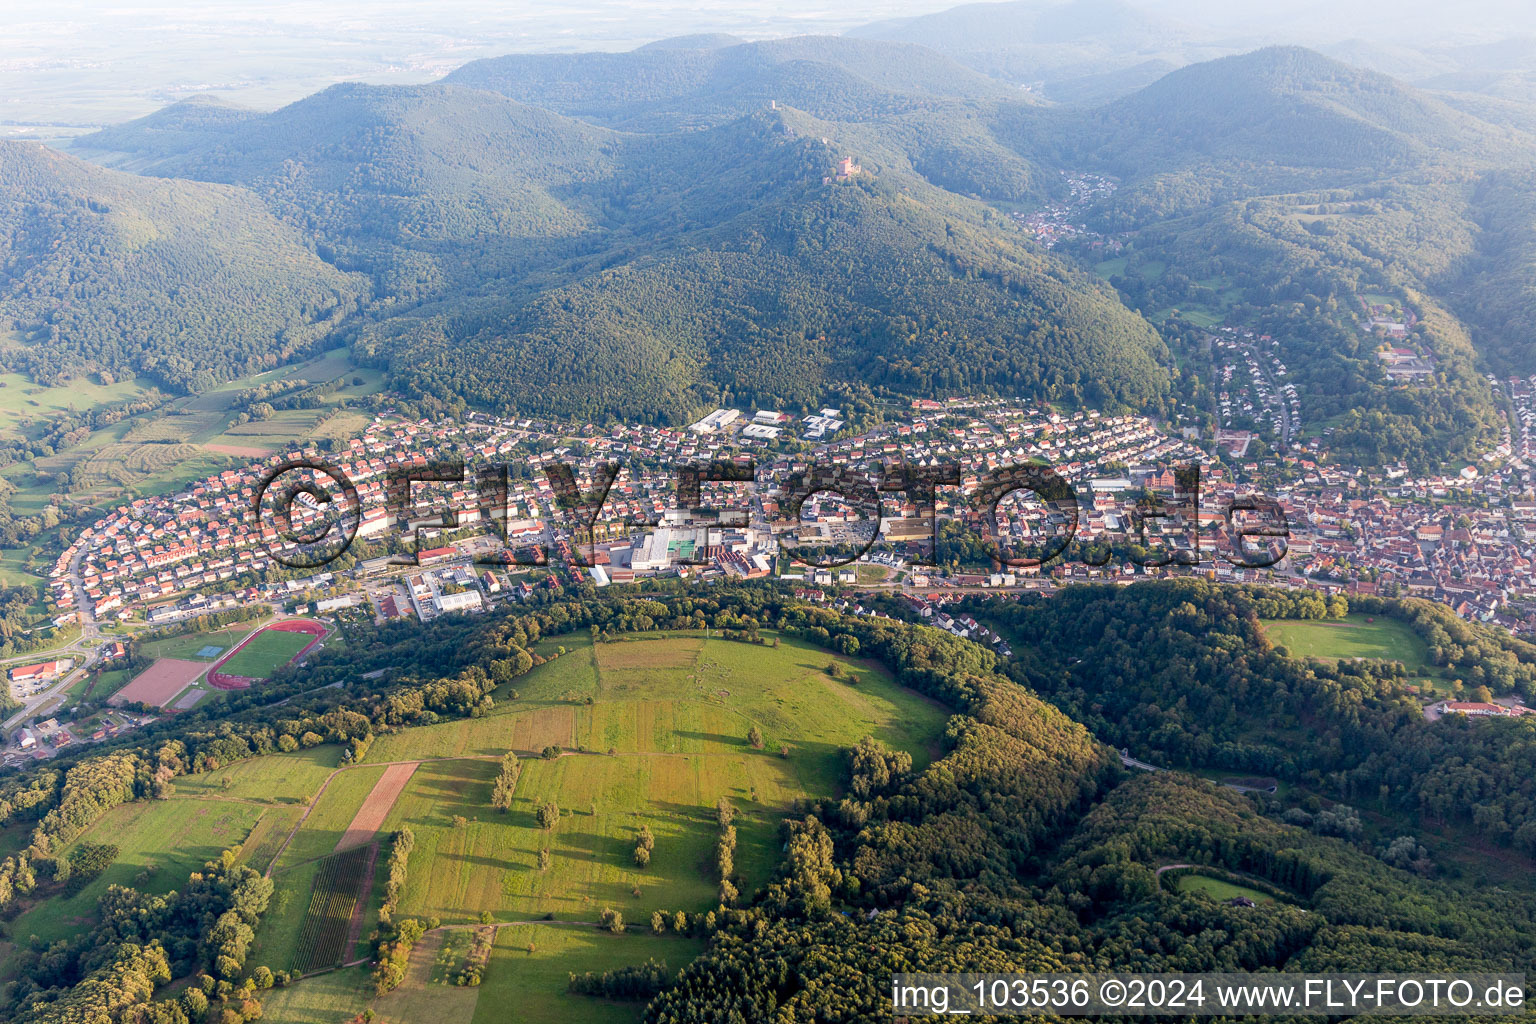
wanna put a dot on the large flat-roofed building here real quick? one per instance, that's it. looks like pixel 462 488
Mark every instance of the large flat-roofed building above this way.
pixel 41 672
pixel 464 601
pixel 716 420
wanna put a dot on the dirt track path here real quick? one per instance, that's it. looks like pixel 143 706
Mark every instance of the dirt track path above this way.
pixel 376 806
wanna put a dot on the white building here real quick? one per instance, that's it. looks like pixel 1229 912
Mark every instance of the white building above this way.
pixel 716 420
pixel 464 601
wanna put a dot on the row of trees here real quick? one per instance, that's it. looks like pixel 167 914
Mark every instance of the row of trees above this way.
pixel 506 782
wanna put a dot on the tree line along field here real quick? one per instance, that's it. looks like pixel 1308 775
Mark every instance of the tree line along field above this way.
pixel 664 721
pixel 252 805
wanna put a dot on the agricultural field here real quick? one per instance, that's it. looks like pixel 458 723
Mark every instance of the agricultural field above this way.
pixel 340 882
pixel 653 732
pixel 1354 636
pixel 331 814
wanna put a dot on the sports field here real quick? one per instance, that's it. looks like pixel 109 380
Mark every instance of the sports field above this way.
pixel 196 646
pixel 265 653
pixel 1354 636
pixel 160 682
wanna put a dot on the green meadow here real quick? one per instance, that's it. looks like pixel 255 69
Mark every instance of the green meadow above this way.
pixel 1351 637
pixel 653 731
pixel 1221 889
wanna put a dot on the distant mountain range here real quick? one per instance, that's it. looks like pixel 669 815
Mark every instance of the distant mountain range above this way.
pixel 647 233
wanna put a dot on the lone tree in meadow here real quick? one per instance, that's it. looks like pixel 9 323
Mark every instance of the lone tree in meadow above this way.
pixel 755 737
pixel 548 815
pixel 644 844
pixel 612 920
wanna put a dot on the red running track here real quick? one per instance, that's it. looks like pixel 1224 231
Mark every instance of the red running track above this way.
pixel 228 682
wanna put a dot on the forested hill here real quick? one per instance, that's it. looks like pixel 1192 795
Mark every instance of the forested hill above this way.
pixel 420 163
pixel 666 225
pixel 537 262
pixel 878 281
pixel 1074 51
pixel 186 282
pixel 1296 108
pixel 666 88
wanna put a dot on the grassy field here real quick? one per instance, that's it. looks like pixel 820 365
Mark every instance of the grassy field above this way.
pixel 1351 637
pixel 160 843
pixel 190 646
pixel 265 653
pixel 685 695
pixel 675 712
pixel 529 988
pixel 25 406
pixel 1197 315
pixel 1220 889
pixel 428 993
pixel 279 778
pixel 325 999
pixel 108 683
pixel 519 987
pixel 332 813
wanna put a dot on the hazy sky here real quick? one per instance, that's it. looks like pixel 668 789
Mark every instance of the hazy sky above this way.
pixel 82 61
pixel 74 63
